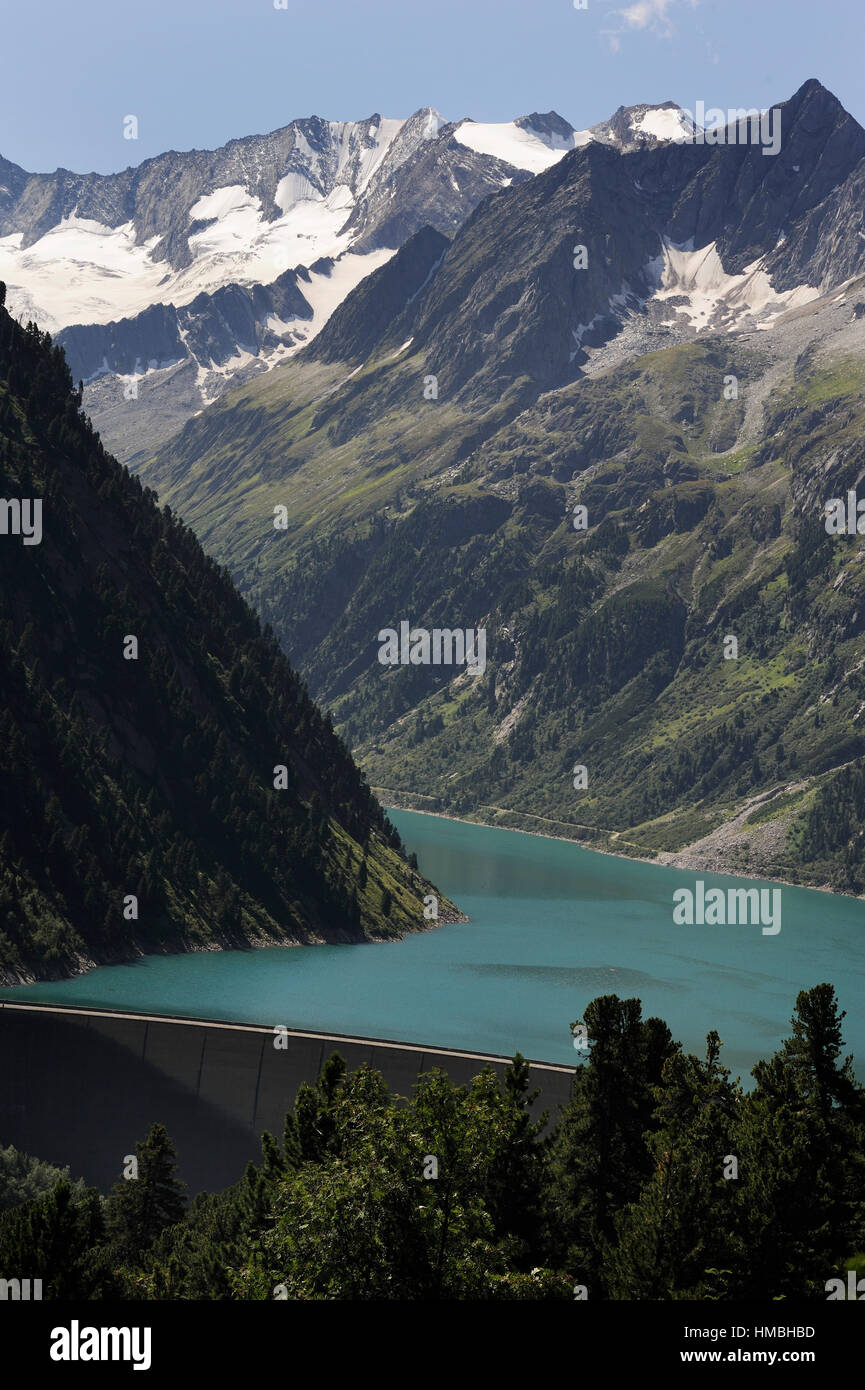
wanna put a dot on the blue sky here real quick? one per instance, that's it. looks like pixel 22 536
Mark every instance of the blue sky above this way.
pixel 198 72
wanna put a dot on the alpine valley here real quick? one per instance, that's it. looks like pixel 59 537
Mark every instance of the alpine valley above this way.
pixel 427 346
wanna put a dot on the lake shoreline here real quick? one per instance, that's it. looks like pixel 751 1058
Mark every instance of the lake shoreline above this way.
pixel 661 859
pixel 84 965
pixel 549 932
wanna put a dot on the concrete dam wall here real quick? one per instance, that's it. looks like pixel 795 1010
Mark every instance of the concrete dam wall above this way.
pixel 80 1087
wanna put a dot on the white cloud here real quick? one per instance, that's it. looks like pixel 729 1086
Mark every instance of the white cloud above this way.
pixel 656 16
pixel 646 12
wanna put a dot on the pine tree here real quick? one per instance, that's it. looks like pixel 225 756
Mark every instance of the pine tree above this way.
pixel 58 1238
pixel 800 1147
pixel 516 1191
pixel 139 1208
pixel 682 1225
pixel 314 1108
pixel 600 1157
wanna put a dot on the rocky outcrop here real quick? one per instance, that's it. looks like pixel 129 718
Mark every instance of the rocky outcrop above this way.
pixel 211 329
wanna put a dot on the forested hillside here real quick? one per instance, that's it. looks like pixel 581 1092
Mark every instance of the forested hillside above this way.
pixel 168 782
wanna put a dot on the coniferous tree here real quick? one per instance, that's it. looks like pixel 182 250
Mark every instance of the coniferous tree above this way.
pixel 140 1207
pixel 800 1146
pixel 677 1237
pixel 59 1238
pixel 600 1157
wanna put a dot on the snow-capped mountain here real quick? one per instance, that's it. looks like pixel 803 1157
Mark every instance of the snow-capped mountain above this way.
pixel 536 142
pixel 641 127
pixel 681 239
pixel 198 269
pixel 95 248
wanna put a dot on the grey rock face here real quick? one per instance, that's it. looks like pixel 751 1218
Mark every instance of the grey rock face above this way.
pixel 507 302
pixel 439 186
pixel 747 200
pixel 210 329
pixel 158 195
pixel 362 322
pixel 502 309
pixel 397 179
pixel 550 124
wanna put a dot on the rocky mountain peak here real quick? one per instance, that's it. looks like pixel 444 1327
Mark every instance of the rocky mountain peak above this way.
pixel 550 124
pixel 644 125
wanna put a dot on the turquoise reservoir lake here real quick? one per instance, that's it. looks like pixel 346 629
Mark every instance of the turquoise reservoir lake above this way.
pixel 552 926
